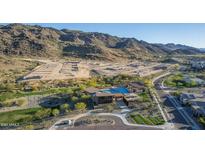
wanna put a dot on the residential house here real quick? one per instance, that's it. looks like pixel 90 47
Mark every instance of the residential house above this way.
pixel 198 111
pixel 198 64
pixel 196 101
pixel 198 106
pixel 185 98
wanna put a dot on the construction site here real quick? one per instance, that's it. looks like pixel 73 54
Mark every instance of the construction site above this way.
pixel 50 70
pixel 58 70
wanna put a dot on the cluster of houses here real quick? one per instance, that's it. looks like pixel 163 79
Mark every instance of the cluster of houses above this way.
pixel 197 64
pixel 198 81
pixel 111 94
pixel 196 101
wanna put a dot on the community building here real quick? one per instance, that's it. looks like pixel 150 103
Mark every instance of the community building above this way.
pixel 103 98
pixel 111 94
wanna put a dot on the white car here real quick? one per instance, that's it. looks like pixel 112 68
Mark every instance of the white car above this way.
pixel 64 123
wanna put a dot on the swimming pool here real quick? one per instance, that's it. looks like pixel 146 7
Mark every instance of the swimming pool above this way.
pixel 121 90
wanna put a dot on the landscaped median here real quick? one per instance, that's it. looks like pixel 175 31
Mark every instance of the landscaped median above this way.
pixel 146 120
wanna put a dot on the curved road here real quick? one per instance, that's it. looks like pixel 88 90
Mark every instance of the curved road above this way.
pixel 121 116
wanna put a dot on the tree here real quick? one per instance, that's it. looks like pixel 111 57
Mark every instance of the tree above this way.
pixel 176 93
pixel 180 84
pixel 43 113
pixel 148 82
pixel 55 112
pixel 21 101
pixel 80 106
pixel 192 84
pixel 69 91
pixel 85 97
pixel 34 87
pixel 9 87
pixel 64 107
pixel 74 99
pixel 92 83
pixel 82 87
pixel 202 120
pixel 29 127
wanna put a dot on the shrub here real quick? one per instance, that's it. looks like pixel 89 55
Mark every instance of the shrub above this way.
pixel 85 97
pixel 202 121
pixel 21 101
pixel 29 127
pixel 64 107
pixel 43 113
pixel 74 99
pixel 80 106
pixel 55 112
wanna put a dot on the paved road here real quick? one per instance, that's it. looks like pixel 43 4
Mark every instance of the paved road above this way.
pixel 117 125
pixel 189 120
pixel 177 114
pixel 122 117
pixel 164 113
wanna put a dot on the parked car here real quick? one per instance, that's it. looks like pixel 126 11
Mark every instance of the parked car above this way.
pixel 65 122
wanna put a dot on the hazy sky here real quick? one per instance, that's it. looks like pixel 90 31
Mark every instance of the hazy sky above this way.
pixel 189 34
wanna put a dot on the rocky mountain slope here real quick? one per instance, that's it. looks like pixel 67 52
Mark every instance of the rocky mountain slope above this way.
pixel 26 40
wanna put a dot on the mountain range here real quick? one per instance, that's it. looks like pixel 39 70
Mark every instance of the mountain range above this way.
pixel 27 40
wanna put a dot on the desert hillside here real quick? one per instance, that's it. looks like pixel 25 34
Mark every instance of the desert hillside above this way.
pixel 28 41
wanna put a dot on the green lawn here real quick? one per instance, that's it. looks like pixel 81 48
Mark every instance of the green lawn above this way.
pixel 10 95
pixel 18 116
pixel 145 97
pixel 139 119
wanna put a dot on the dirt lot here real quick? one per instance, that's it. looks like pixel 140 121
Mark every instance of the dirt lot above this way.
pixel 131 68
pixel 62 69
pixel 58 70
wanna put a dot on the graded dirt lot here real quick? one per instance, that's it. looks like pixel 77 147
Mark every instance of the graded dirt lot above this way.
pixel 54 70
pixel 131 68
pixel 58 70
